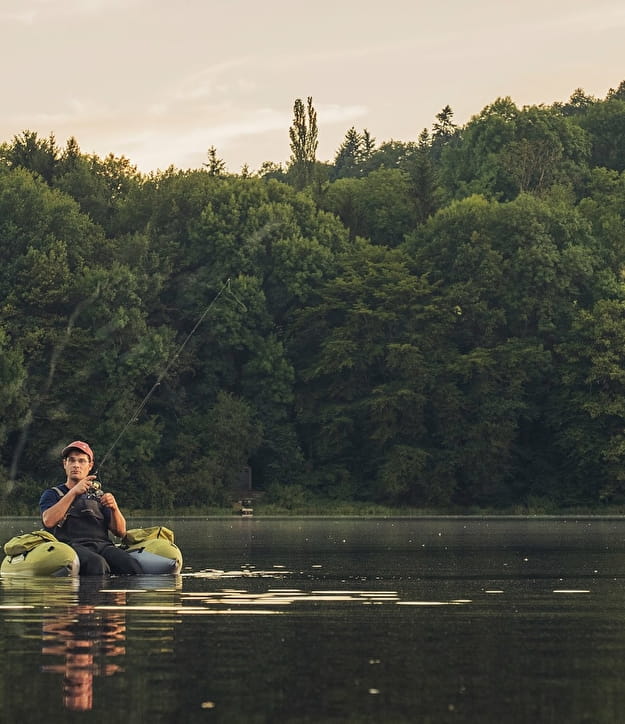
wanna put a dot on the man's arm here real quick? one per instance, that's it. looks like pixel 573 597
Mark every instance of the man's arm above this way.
pixel 55 513
pixel 117 526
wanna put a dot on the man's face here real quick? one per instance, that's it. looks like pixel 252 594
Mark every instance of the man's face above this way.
pixel 76 465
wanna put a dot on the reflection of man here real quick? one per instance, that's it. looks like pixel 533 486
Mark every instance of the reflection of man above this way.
pixel 75 516
pixel 78 682
pixel 79 636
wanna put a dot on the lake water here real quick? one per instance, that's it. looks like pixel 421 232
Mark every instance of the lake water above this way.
pixel 331 620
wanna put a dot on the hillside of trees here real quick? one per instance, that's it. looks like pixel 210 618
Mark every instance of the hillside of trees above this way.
pixel 437 323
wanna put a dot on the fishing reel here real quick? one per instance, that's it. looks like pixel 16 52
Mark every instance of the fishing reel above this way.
pixel 94 491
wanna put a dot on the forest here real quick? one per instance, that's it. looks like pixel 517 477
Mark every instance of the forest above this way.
pixel 436 324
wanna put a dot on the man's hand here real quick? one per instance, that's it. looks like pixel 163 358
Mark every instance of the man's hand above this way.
pixel 82 486
pixel 108 500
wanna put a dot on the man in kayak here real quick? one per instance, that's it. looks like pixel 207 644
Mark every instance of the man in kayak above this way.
pixel 78 517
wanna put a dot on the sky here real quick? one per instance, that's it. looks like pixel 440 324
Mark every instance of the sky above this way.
pixel 162 81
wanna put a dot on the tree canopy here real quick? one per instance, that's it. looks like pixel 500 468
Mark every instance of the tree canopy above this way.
pixel 437 323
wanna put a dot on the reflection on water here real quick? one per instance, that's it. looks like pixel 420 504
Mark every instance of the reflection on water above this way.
pixel 84 638
pixel 332 621
pixel 83 625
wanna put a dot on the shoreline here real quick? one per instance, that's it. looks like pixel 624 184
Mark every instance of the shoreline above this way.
pixel 281 515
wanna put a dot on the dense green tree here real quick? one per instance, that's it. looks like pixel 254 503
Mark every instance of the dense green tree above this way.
pixel 391 154
pixel 35 154
pixel 590 398
pixel 444 127
pixel 618 93
pixel 102 187
pixel 444 130
pixel 604 206
pixel 13 377
pixel 363 351
pixel 517 275
pixel 605 123
pixel 423 171
pixel 516 269
pixel 367 145
pixel 71 311
pixel 32 217
pixel 348 157
pixel 304 142
pixel 270 170
pixel 275 246
pixel 379 206
pixel 369 338
pixel 212 446
pixel 578 103
pixel 353 154
pixel 505 151
pixel 215 166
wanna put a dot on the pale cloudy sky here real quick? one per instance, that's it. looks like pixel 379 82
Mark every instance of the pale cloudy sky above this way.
pixel 160 81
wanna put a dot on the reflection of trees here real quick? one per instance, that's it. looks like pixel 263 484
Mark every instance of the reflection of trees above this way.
pixel 85 637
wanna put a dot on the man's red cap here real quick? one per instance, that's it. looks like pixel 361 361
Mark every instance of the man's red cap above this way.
pixel 78 445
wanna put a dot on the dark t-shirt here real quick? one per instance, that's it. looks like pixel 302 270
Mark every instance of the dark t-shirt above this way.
pixel 86 519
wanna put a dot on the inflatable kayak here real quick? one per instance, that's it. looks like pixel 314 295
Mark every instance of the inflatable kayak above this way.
pixel 40 554
pixel 154 548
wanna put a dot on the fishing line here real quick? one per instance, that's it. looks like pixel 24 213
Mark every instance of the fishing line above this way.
pixel 135 414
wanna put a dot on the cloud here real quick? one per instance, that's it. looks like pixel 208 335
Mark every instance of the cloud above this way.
pixel 598 18
pixel 209 81
pixel 158 146
pixel 29 12
pixel 337 114
pixel 76 113
pixel 161 82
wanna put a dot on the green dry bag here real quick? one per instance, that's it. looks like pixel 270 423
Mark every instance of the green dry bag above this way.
pixel 139 535
pixel 24 543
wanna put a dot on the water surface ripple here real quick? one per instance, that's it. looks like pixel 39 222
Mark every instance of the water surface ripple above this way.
pixel 331 620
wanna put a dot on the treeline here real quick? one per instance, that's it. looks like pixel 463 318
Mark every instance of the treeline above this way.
pixel 437 323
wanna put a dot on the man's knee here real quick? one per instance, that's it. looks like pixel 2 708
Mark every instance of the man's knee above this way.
pixel 123 563
pixel 91 564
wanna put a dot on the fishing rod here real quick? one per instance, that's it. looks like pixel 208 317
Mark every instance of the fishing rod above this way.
pixel 163 374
